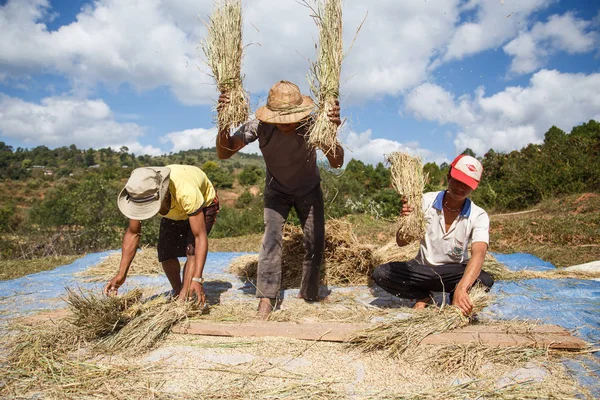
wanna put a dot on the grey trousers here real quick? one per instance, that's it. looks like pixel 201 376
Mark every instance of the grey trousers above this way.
pixel 310 210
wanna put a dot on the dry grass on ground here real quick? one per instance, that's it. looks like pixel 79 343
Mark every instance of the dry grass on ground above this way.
pixel 11 269
pixel 563 231
pixel 275 368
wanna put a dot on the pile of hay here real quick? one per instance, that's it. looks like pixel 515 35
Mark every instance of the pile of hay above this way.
pixel 223 49
pixel 346 260
pixel 145 263
pixel 325 73
pixel 397 336
pixel 125 323
pixel 409 181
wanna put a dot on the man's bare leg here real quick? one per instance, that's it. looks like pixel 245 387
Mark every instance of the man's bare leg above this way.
pixel 172 270
pixel 422 303
pixel 265 307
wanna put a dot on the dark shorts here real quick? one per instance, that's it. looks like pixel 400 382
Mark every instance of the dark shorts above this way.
pixel 175 236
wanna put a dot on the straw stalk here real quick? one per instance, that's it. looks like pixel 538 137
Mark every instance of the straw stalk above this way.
pixel 325 73
pixel 223 50
pixel 409 182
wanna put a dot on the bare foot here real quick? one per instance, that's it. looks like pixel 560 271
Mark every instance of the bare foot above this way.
pixel 421 304
pixel 265 307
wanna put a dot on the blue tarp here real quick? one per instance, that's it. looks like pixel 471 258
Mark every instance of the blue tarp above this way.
pixel 571 303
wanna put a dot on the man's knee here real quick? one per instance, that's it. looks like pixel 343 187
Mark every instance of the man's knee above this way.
pixel 486 279
pixel 190 250
pixel 380 273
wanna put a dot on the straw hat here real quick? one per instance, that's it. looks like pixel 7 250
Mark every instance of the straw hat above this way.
pixel 144 192
pixel 285 105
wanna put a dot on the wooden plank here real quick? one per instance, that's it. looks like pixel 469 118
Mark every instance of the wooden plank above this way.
pixel 566 342
pixel 541 329
pixel 331 332
pixel 540 336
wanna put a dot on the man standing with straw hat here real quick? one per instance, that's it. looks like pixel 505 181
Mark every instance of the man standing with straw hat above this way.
pixel 292 181
pixel 443 264
pixel 186 199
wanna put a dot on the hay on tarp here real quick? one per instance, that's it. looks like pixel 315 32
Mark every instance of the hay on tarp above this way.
pixel 144 263
pixel 223 49
pixel 125 323
pixel 325 73
pixel 346 260
pixel 397 336
pixel 501 273
pixel 409 181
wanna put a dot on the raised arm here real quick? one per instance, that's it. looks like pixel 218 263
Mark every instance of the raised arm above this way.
pixel 227 145
pixel 131 241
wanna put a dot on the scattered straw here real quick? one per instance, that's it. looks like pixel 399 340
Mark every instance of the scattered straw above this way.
pixel 325 72
pixel 45 360
pixel 223 50
pixel 409 182
pixel 397 336
pixel 468 359
pixel 144 263
pixel 337 307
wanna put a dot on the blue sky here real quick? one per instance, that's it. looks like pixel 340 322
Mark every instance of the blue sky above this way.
pixel 429 77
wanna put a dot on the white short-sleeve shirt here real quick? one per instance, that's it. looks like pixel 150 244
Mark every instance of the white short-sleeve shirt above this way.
pixel 440 247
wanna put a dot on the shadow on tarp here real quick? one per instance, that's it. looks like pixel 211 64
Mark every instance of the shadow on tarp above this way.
pixel 571 303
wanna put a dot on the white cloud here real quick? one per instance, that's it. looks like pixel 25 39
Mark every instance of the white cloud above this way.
pixel 514 117
pixel 362 146
pixel 495 22
pixel 154 43
pixel 561 33
pixel 62 121
pixel 199 138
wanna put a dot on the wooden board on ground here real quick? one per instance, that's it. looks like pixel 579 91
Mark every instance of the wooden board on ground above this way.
pixel 329 332
pixel 551 336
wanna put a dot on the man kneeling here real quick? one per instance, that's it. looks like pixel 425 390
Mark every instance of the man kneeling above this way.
pixel 443 264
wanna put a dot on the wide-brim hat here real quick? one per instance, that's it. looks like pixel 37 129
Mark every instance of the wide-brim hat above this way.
pixel 144 192
pixel 285 105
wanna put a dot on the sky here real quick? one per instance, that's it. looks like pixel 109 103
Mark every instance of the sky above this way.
pixel 428 77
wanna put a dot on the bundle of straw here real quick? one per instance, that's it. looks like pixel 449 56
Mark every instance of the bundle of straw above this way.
pixel 397 336
pixel 223 50
pixel 391 252
pixel 126 322
pixel 325 73
pixel 409 182
pixel 99 316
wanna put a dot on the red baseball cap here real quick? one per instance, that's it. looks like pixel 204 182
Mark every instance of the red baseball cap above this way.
pixel 467 169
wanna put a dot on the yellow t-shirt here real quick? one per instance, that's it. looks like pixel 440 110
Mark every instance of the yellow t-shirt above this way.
pixel 190 191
